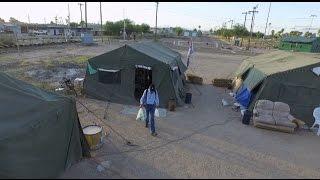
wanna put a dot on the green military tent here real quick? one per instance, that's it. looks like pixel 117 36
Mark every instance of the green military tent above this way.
pixel 40 133
pixel 122 74
pixel 284 76
pixel 300 44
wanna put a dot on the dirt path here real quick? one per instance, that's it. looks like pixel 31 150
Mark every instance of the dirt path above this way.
pixel 208 141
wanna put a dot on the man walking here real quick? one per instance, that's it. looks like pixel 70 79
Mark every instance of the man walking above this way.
pixel 150 100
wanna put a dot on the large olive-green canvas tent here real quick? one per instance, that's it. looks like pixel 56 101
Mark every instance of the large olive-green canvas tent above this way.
pixel 40 133
pixel 122 74
pixel 284 76
pixel 300 44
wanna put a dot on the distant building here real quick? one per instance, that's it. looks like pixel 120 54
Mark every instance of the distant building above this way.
pixel 186 33
pixel 53 29
pixel 300 44
pixel 10 28
pixel 189 33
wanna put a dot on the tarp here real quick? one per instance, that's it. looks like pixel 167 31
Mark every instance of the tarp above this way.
pixel 163 61
pixel 243 96
pixel 40 133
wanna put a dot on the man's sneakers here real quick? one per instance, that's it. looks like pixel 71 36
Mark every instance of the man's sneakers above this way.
pixel 154 134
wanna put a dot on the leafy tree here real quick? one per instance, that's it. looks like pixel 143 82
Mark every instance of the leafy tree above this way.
pixel 178 31
pixel 14 21
pixel 2 20
pixel 259 34
pixel 272 32
pixel 211 31
pixel 114 28
pixel 308 34
pixel 82 23
pixel 240 31
pixel 74 24
pixel 279 33
pixel 319 32
pixel 145 28
pixel 295 33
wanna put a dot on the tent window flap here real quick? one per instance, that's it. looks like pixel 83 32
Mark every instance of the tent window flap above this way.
pixel 109 76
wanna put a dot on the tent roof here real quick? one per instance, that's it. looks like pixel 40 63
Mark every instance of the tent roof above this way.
pixel 158 52
pixel 299 39
pixel 279 61
pixel 272 63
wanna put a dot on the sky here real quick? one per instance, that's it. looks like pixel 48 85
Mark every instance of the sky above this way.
pixel 288 15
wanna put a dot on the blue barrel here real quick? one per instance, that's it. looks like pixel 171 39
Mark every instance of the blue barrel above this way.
pixel 188 98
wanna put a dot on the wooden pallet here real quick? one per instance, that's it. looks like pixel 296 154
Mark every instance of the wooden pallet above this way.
pixel 194 79
pixel 222 83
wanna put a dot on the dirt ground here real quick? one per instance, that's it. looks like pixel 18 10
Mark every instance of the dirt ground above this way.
pixel 206 140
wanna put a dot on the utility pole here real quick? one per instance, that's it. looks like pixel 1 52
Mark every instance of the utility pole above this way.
pixel 69 29
pixel 68 15
pixel 265 30
pixel 269 28
pixel 155 35
pixel 312 16
pixel 124 27
pixel 252 19
pixel 231 22
pixel 81 13
pixel 101 23
pixel 245 18
pixel 28 24
pixel 85 9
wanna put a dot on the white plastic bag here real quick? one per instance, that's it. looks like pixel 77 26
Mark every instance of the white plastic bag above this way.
pixel 141 114
pixel 156 113
pixel 160 112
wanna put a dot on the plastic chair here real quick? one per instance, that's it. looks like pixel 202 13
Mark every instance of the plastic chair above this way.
pixel 316 115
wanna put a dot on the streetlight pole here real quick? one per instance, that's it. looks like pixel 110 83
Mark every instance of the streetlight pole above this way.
pixel 155 34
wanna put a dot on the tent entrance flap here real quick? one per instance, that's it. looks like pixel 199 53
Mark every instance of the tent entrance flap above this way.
pixel 143 78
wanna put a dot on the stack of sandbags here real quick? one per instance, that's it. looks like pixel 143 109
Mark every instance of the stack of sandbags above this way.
pixel 222 83
pixel 194 79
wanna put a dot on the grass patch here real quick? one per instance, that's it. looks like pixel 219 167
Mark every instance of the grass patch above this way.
pixel 82 59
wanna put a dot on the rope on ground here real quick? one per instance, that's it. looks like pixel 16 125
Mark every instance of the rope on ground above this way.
pixel 175 140
pixel 122 137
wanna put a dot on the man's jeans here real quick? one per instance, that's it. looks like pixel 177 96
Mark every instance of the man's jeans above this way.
pixel 150 109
